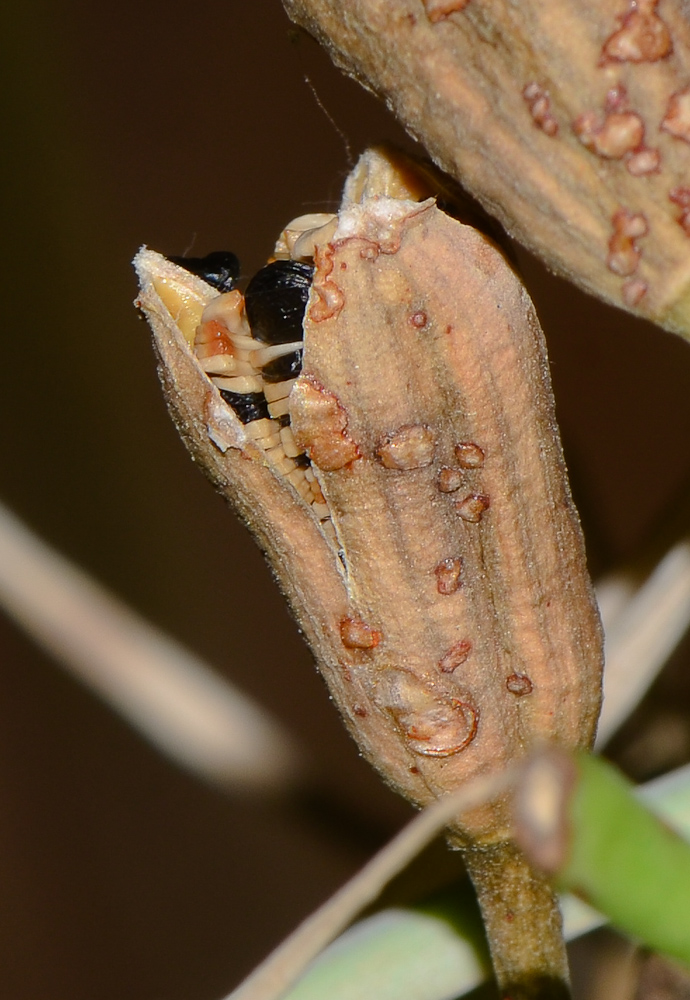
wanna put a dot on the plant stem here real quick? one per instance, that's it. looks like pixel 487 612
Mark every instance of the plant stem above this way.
pixel 523 924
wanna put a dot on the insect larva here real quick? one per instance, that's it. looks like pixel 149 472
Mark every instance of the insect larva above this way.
pixel 250 346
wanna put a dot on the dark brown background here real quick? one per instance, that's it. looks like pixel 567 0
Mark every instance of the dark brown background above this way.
pixel 191 126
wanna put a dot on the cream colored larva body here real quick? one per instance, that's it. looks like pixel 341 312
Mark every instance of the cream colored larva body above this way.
pixel 222 342
pixel 233 360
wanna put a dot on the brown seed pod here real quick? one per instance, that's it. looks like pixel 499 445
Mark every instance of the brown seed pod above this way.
pixel 412 399
pixel 439 687
pixel 426 606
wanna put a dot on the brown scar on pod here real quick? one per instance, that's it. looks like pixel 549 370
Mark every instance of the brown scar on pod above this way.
pixel 469 455
pixel 642 36
pixel 321 426
pixel 408 447
pixel 439 10
pixel 434 723
pixel 356 634
pixel 624 254
pixel 617 135
pixel 519 685
pixel 677 118
pixel 539 105
pixel 448 575
pixel 455 657
pixel 471 508
pixel 680 196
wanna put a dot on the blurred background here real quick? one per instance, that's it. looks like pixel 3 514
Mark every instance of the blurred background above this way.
pixel 192 128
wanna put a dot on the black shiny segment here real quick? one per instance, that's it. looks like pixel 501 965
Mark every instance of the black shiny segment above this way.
pixel 247 405
pixel 288 366
pixel 220 268
pixel 275 301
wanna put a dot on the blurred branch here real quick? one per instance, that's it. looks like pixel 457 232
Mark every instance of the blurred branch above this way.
pixel 643 625
pixel 174 699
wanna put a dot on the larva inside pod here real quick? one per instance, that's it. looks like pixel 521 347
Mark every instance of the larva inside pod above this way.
pixel 250 345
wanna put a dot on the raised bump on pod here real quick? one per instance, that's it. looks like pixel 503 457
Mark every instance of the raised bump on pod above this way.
pixel 449 480
pixel 439 10
pixel 409 447
pixel 419 319
pixel 433 724
pixel 539 105
pixel 327 299
pixel 624 253
pixel 469 455
pixel 448 574
pixel 641 37
pixel 677 118
pixel 320 425
pixel 455 657
pixel 357 634
pixel 471 508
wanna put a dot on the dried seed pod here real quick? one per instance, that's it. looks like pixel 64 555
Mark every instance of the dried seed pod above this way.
pixel 476 372
pixel 499 94
pixel 422 664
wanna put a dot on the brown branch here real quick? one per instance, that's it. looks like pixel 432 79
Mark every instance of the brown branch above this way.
pixel 166 692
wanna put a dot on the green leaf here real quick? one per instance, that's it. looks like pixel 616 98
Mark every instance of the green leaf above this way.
pixel 626 862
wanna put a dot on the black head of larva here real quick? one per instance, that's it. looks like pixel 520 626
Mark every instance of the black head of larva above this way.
pixel 221 269
pixel 285 367
pixel 248 406
pixel 276 299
